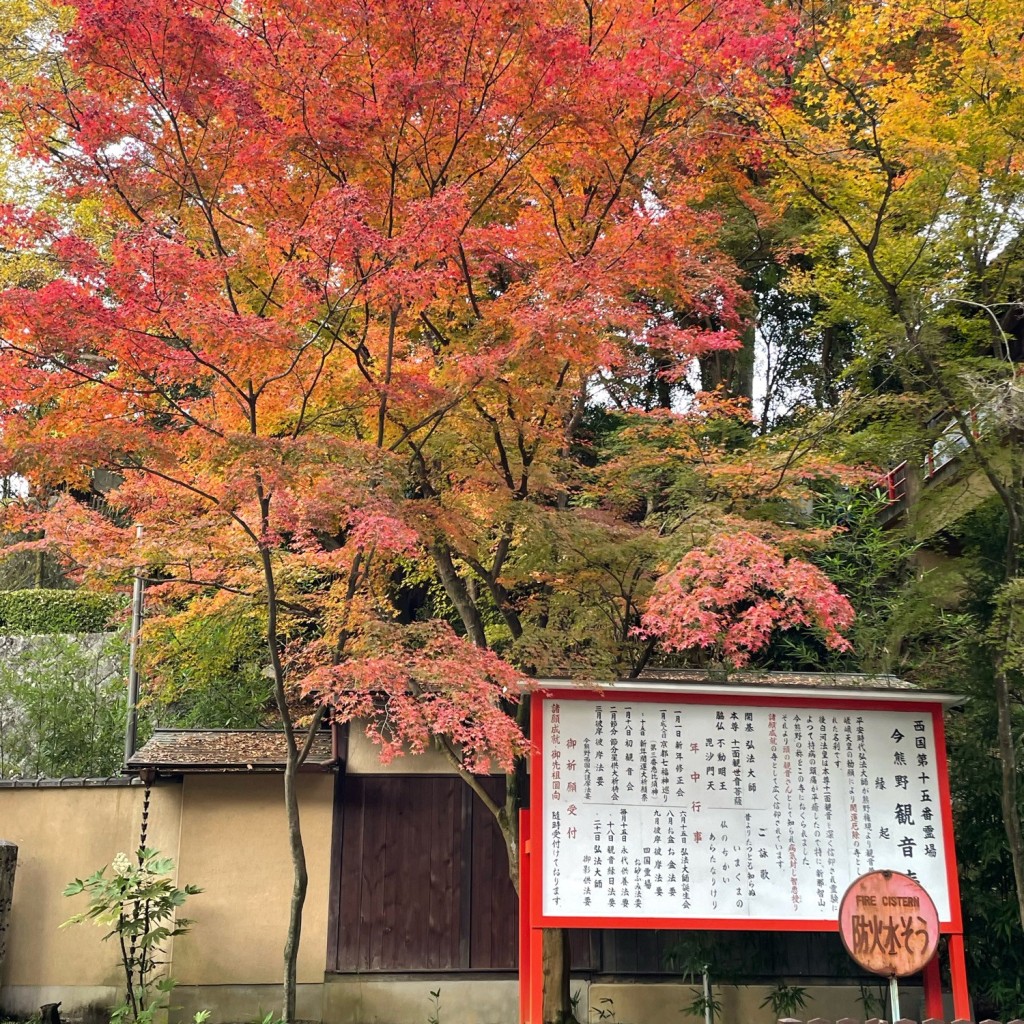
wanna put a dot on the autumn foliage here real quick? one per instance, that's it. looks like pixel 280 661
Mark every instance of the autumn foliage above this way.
pixel 322 294
pixel 437 686
pixel 325 285
pixel 738 592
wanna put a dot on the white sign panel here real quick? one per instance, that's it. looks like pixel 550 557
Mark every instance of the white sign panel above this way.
pixel 689 811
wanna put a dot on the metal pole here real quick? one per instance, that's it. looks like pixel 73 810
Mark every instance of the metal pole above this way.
pixel 132 722
pixel 707 995
pixel 894 998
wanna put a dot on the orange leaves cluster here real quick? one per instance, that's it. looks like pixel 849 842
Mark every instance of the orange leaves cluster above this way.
pixel 420 681
pixel 328 284
pixel 360 213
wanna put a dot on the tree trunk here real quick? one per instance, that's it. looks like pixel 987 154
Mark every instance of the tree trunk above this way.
pixel 1008 793
pixel 1009 488
pixel 300 882
pixel 300 878
pixel 8 863
pixel 455 588
pixel 1012 640
pixel 557 1003
pixel 557 998
pixel 734 369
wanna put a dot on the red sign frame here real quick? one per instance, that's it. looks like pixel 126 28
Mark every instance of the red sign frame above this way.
pixel 827 923
pixel 532 916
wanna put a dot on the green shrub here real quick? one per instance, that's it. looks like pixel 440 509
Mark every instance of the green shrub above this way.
pixel 205 669
pixel 139 904
pixel 62 706
pixel 32 612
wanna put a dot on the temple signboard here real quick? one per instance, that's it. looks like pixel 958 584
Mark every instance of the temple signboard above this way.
pixel 698 804
pixel 739 811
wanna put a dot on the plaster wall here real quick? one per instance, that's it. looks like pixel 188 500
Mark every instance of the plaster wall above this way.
pixel 64 834
pixel 363 758
pixel 234 844
pixel 406 1000
pixel 226 834
pixel 654 1003
pixel 364 999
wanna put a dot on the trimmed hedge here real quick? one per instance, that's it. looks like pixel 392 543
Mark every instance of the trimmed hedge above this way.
pixel 32 612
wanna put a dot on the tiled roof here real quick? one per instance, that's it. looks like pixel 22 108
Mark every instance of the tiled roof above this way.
pixel 817 680
pixel 71 782
pixel 842 686
pixel 183 751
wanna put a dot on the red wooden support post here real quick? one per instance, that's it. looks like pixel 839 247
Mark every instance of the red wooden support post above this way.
pixel 531 938
pixel 958 973
pixel 525 967
pixel 933 988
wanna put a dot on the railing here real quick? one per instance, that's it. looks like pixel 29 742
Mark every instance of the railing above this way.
pixel 946 448
pixel 951 442
pixel 118 516
pixel 881 1020
pixel 893 487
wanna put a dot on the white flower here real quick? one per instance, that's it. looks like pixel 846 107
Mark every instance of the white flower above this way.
pixel 122 865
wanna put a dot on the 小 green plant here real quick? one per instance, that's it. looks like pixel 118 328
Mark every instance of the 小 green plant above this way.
pixel 785 999
pixel 434 1017
pixel 138 902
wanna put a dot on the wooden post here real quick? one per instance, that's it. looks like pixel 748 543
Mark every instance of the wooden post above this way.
pixel 531 939
pixel 933 988
pixel 958 974
pixel 8 862
pixel 525 949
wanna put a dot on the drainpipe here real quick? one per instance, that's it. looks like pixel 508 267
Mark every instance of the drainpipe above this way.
pixel 132 722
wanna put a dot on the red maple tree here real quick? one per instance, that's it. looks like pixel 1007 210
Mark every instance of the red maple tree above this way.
pixel 735 594
pixel 324 285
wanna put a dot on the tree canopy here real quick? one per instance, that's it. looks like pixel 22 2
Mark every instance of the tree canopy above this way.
pixel 451 345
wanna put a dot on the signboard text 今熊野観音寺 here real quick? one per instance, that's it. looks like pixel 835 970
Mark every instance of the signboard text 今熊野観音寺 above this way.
pixel 691 810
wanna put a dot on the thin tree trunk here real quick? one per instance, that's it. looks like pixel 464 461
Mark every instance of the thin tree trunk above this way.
pixel 1009 792
pixel 300 876
pixel 557 998
pixel 557 1004
pixel 555 942
pixel 1012 638
pixel 300 883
